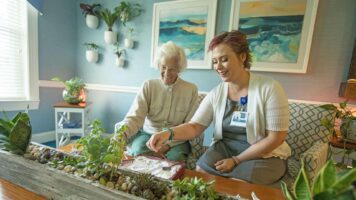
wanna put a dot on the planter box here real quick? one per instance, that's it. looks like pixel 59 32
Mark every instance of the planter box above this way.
pixel 53 183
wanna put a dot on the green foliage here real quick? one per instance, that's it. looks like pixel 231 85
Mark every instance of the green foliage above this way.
pixel 194 188
pixel 98 151
pixel 73 87
pixel 343 113
pixel 91 46
pixel 327 185
pixel 128 11
pixel 109 17
pixel 90 9
pixel 118 51
pixel 15 134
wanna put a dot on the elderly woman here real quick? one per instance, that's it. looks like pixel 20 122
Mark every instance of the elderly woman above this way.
pixel 162 103
pixel 250 117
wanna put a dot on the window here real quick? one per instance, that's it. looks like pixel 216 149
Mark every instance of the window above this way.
pixel 18 56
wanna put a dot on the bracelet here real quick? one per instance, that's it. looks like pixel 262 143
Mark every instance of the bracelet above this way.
pixel 236 160
pixel 171 134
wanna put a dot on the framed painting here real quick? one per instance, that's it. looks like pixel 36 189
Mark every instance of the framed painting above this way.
pixel 279 32
pixel 188 23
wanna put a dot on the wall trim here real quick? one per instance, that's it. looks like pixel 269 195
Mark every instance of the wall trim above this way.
pixel 44 137
pixel 130 89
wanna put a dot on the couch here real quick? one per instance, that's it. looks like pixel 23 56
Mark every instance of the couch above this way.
pixel 307 138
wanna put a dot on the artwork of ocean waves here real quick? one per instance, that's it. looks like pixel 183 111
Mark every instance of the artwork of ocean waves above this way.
pixel 273 39
pixel 189 32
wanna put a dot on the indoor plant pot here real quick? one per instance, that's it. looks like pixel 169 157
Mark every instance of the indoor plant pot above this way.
pixel 91 14
pixel 92 21
pixel 110 36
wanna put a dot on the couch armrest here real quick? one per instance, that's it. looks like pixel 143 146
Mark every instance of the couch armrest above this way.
pixel 315 158
pixel 197 149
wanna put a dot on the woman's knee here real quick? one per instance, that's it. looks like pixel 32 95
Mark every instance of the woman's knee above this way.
pixel 199 169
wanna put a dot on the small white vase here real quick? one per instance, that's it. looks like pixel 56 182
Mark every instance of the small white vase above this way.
pixel 120 62
pixel 92 21
pixel 91 56
pixel 129 43
pixel 110 37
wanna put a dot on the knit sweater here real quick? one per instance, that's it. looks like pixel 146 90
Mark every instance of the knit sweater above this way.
pixel 159 106
pixel 267 109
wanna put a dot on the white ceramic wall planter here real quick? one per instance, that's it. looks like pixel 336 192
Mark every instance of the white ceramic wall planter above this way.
pixel 129 43
pixel 110 37
pixel 120 61
pixel 92 56
pixel 92 21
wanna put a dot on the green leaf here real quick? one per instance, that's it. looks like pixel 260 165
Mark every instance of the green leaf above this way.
pixel 287 194
pixel 108 158
pixel 301 186
pixel 328 107
pixel 325 179
pixel 20 134
pixel 345 181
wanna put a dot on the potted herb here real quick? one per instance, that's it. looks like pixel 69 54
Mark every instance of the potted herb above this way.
pixel 120 59
pixel 345 118
pixel 91 53
pixel 91 14
pixel 110 36
pixel 327 185
pixel 74 90
pixel 127 12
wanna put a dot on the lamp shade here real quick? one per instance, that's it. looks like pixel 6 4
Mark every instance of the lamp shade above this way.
pixel 350 91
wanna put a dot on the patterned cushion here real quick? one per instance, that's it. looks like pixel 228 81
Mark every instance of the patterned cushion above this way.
pixel 314 158
pixel 305 128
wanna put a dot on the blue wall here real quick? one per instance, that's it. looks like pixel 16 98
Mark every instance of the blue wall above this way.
pixel 63 32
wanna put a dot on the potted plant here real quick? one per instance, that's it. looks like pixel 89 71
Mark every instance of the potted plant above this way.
pixel 74 92
pixel 128 42
pixel 91 14
pixel 110 36
pixel 120 59
pixel 91 53
pixel 127 12
pixel 344 118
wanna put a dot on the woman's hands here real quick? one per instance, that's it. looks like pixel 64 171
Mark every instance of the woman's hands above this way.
pixel 157 140
pixel 226 165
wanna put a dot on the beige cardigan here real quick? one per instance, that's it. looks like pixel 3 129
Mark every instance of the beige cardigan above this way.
pixel 267 107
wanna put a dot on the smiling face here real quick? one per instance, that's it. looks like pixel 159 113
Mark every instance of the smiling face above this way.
pixel 228 65
pixel 169 70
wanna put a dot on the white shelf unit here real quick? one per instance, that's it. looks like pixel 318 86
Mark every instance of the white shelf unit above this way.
pixel 65 114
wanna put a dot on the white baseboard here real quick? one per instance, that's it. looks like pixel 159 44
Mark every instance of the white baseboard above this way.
pixel 44 137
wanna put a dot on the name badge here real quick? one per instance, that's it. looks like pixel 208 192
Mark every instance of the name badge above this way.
pixel 239 118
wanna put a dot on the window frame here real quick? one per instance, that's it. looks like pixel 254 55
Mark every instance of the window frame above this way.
pixel 32 101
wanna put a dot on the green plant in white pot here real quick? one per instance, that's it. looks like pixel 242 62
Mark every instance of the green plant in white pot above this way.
pixel 120 53
pixel 92 54
pixel 109 18
pixel 74 92
pixel 346 119
pixel 127 12
pixel 91 14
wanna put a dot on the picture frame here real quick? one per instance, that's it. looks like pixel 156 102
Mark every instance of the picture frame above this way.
pixel 279 32
pixel 190 24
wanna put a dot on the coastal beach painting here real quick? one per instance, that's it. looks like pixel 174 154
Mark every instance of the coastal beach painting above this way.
pixel 279 32
pixel 190 24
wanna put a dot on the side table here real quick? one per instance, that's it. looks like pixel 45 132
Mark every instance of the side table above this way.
pixel 339 147
pixel 70 120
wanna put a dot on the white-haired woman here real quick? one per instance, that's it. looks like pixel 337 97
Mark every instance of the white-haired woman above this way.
pixel 162 103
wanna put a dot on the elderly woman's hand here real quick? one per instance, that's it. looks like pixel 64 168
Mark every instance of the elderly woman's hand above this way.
pixel 225 165
pixel 156 141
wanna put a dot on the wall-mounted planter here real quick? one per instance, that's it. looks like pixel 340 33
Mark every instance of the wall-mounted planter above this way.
pixel 129 43
pixel 110 37
pixel 92 56
pixel 120 62
pixel 92 21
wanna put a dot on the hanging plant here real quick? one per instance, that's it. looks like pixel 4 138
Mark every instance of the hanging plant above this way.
pixel 92 54
pixel 128 42
pixel 128 11
pixel 120 59
pixel 109 18
pixel 91 14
